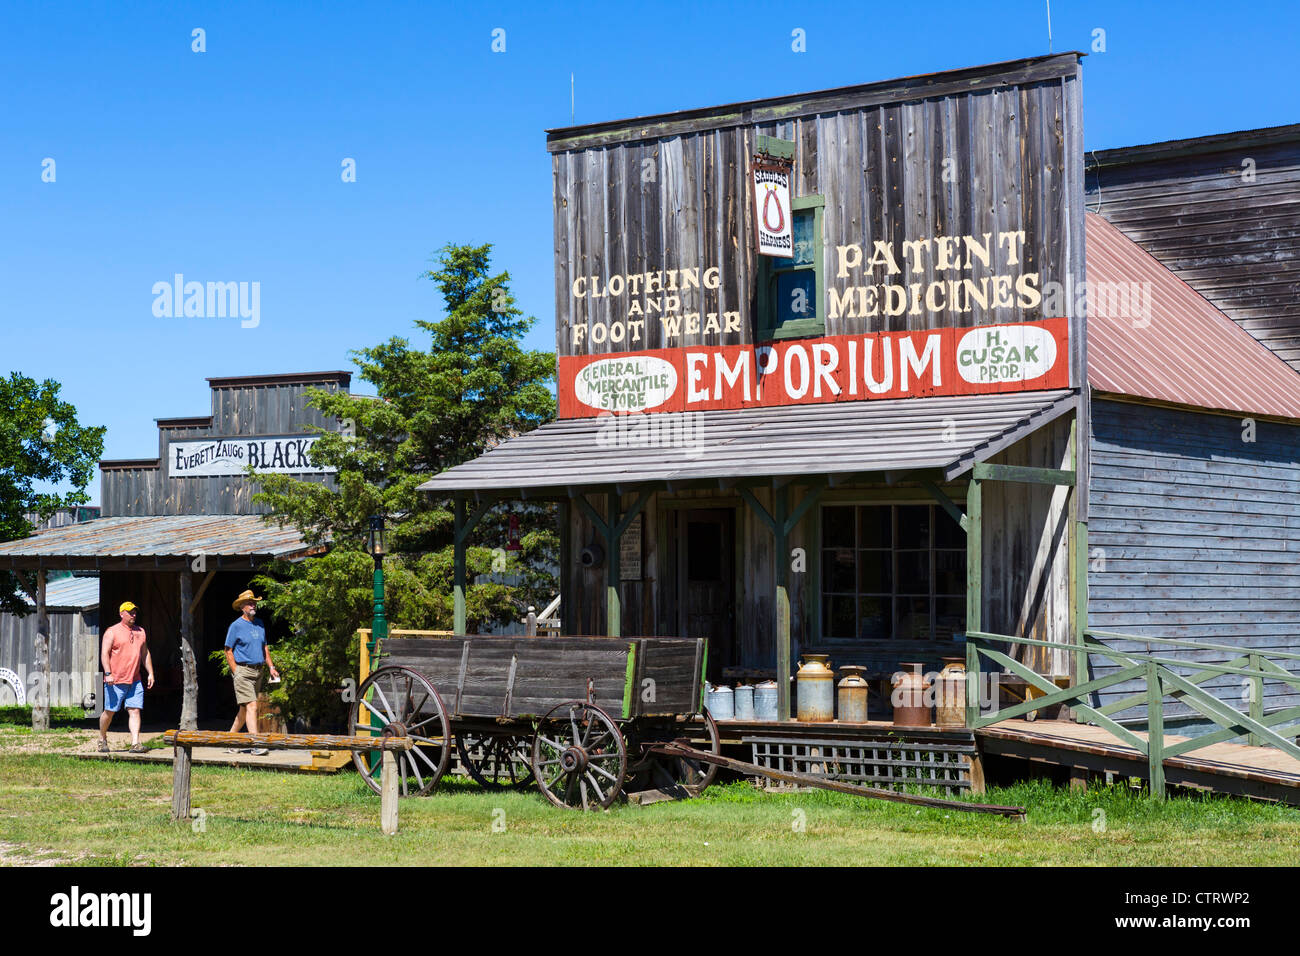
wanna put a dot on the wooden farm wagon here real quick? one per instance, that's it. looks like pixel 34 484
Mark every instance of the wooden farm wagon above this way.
pixel 578 714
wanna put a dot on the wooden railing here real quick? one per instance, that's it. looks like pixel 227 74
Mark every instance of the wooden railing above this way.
pixel 1159 680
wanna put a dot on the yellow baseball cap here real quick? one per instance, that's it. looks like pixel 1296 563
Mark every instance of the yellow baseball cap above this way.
pixel 127 606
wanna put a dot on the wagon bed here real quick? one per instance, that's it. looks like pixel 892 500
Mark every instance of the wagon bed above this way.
pixel 523 677
pixel 580 716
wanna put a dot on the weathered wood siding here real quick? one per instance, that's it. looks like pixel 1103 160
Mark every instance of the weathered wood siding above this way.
pixel 74 652
pixel 994 154
pixel 140 488
pixel 1195 533
pixel 1224 218
pixel 1026 567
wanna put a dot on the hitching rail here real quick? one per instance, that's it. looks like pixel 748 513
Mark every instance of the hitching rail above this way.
pixel 1159 681
pixel 184 741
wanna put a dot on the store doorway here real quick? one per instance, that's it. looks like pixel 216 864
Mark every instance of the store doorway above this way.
pixel 706 575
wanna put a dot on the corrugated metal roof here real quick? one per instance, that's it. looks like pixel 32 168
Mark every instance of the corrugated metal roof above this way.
pixel 841 439
pixel 80 593
pixel 1173 345
pixel 160 536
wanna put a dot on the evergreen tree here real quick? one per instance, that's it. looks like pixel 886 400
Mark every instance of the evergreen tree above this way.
pixel 472 388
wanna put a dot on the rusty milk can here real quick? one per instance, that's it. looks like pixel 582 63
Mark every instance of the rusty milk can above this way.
pixel 910 709
pixel 950 694
pixel 852 696
pixel 816 688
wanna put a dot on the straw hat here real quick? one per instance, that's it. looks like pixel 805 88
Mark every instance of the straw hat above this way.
pixel 244 598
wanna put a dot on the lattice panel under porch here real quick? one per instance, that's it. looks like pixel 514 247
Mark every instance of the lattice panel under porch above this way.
pixel 942 768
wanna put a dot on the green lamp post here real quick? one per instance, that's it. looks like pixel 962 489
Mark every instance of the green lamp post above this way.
pixel 376 545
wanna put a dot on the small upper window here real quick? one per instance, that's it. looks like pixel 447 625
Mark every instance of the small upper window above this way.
pixel 791 292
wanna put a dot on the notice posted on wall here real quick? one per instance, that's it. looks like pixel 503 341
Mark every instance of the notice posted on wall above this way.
pixel 629 552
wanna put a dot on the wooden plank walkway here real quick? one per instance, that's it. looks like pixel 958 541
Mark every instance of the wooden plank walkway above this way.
pixel 1262 772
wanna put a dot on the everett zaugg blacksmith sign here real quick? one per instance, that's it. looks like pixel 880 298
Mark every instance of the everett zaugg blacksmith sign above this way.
pixel 282 454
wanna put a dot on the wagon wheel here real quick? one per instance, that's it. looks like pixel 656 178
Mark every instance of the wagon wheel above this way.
pixel 579 758
pixel 496 762
pixel 689 773
pixel 398 700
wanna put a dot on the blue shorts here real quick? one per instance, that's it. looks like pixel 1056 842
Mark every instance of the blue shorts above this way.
pixel 116 696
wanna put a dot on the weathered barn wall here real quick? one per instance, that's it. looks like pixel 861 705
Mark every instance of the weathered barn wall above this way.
pixel 997 153
pixel 74 652
pixel 1222 213
pixel 1194 533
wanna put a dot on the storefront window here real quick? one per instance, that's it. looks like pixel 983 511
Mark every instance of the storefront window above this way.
pixel 791 291
pixel 892 572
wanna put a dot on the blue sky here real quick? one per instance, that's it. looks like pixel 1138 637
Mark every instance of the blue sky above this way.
pixel 225 165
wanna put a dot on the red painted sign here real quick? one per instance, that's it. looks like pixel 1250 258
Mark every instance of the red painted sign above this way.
pixel 1023 356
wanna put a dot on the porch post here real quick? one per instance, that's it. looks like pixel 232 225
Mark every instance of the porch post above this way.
pixel 613 604
pixel 781 564
pixel 41 697
pixel 190 693
pixel 458 563
pixel 566 574
pixel 974 555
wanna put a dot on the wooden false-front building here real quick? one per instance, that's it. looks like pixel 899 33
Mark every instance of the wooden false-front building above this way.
pixel 180 536
pixel 828 382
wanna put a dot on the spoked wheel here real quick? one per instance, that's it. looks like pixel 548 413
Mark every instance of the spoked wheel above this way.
pixel 398 700
pixel 579 758
pixel 660 771
pixel 496 762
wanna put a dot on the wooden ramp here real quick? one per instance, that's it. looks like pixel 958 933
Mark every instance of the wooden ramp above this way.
pixel 1261 772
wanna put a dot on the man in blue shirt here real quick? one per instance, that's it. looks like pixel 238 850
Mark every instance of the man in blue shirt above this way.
pixel 246 655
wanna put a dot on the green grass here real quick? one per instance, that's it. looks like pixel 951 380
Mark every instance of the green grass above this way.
pixel 22 715
pixel 89 812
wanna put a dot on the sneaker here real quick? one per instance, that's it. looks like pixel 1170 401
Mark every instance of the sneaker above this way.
pixel 137 749
pixel 103 747
pixel 233 750
pixel 259 751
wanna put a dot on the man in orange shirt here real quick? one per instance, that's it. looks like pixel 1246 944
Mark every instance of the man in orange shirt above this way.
pixel 123 649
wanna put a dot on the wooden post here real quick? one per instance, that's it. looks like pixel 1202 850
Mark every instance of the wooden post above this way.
pixel 1080 605
pixel 977 781
pixel 974 555
pixel 1256 698
pixel 458 563
pixel 973 684
pixel 1155 731
pixel 181 760
pixel 388 784
pixel 613 600
pixel 190 694
pixel 41 695
pixel 1079 779
pixel 568 619
pixel 781 565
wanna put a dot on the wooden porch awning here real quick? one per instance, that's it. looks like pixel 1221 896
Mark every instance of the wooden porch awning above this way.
pixel 838 441
pixel 161 542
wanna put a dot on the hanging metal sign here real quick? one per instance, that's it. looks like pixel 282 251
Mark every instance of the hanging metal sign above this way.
pixel 772 218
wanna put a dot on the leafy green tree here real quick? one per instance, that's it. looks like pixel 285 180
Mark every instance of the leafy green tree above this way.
pixel 42 446
pixel 471 388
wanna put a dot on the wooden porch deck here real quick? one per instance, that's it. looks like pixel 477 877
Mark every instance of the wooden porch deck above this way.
pixel 1261 772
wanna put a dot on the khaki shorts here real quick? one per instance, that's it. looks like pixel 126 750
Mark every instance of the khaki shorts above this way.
pixel 248 681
